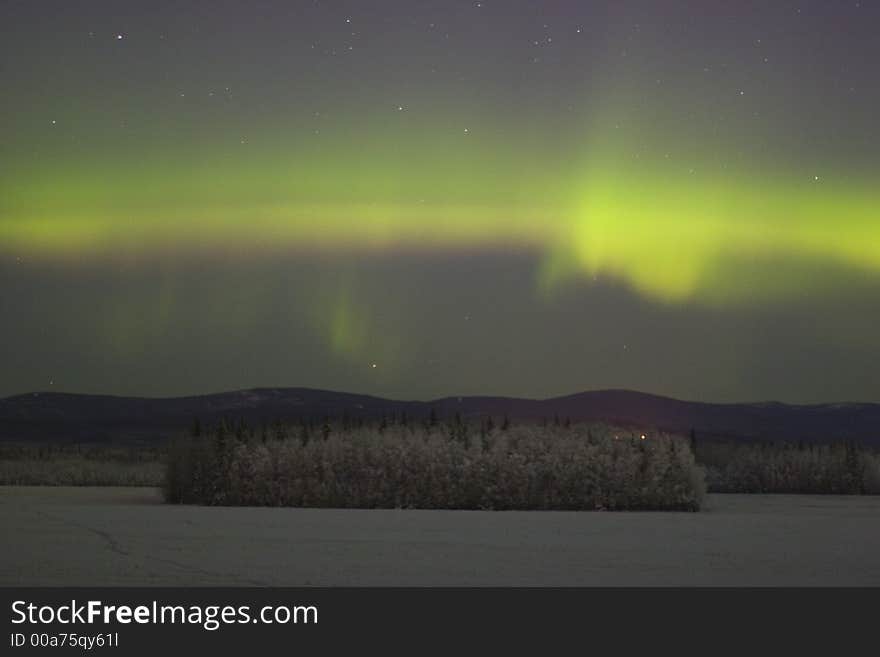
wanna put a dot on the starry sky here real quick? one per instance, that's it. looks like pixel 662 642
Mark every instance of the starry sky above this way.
pixel 426 198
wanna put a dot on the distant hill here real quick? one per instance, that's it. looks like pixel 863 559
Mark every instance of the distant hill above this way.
pixel 46 416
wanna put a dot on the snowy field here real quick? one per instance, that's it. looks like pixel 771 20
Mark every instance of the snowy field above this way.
pixel 125 536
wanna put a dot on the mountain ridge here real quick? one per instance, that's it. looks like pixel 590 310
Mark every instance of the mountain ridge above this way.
pixel 75 417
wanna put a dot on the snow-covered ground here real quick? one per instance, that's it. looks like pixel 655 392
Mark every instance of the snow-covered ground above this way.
pixel 125 536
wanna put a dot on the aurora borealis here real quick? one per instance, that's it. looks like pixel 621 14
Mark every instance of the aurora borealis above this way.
pixel 428 198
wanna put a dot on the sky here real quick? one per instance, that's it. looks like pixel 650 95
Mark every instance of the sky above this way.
pixel 418 199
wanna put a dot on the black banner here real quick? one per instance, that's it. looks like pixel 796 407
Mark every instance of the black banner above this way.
pixel 150 621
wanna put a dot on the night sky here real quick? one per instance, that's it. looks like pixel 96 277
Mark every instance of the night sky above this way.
pixel 418 199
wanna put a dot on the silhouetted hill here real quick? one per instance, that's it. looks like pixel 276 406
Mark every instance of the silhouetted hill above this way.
pixel 96 418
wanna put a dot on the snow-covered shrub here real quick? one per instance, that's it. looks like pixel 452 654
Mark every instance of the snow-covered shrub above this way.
pixel 440 467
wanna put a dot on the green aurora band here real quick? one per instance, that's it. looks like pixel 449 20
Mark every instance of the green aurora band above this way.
pixel 685 233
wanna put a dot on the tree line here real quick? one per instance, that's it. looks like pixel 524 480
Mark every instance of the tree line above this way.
pixel 433 463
